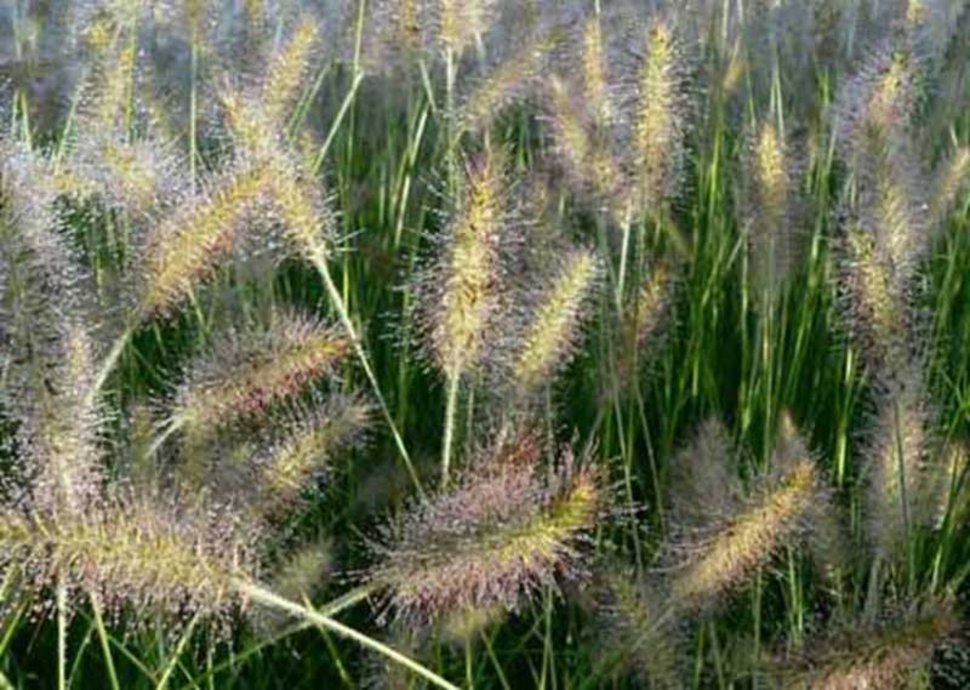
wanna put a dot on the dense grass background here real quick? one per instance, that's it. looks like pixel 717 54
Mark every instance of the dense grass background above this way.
pixel 723 354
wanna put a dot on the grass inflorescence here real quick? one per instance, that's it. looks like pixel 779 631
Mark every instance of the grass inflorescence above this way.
pixel 484 344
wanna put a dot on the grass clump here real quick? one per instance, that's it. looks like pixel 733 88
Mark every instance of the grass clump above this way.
pixel 544 344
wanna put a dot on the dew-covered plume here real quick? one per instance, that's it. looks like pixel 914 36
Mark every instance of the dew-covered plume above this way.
pixel 893 652
pixel 505 531
pixel 553 322
pixel 460 291
pixel 770 198
pixel 659 121
pixel 252 369
pixel 639 635
pixel 736 533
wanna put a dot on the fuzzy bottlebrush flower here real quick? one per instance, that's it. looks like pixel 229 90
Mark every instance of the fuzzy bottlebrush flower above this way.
pixel 304 449
pixel 769 189
pixel 399 33
pixel 875 122
pixel 877 302
pixel 116 155
pixel 644 320
pixel 258 123
pixel 133 553
pixel 553 322
pixel 704 478
pixel 285 76
pixel 292 194
pixel 514 78
pixel 903 478
pixel 660 121
pixel 248 372
pixel 186 247
pixel 743 533
pixel 504 531
pixel 637 632
pixel 302 573
pixel 460 293
pixel 47 360
pixel 951 181
pixel 62 432
pixel 586 154
pixel 270 469
pixel 892 653
pixel 596 82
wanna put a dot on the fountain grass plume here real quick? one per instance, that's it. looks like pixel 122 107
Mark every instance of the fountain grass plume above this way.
pixel 460 291
pixel 249 371
pixel 135 553
pixel 554 322
pixel 457 24
pixel 506 530
pixel 596 81
pixel 705 485
pixel 48 359
pixel 515 78
pixel 638 634
pixel 186 247
pixel 877 301
pixel 287 70
pixel 951 180
pixel 900 475
pixel 720 564
pixel 770 190
pixel 644 321
pixel 780 509
pixel 304 450
pixel 586 159
pixel 890 653
pixel 660 121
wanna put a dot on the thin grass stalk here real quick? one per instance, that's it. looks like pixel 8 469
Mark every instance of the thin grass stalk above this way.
pixel 61 596
pixel 103 640
pixel 624 254
pixel 335 125
pixel 451 406
pixel 340 306
pixel 176 653
pixel 107 366
pixel 265 597
pixel 338 605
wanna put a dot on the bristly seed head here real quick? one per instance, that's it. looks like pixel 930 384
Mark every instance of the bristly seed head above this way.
pixel 184 250
pixel 770 194
pixel 249 371
pixel 713 560
pixel 304 451
pixel 901 483
pixel 660 124
pixel 460 293
pixel 506 530
pixel 135 555
pixel 889 654
pixel 552 331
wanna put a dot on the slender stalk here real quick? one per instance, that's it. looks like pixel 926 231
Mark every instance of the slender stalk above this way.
pixel 103 639
pixel 179 648
pixel 341 308
pixel 272 600
pixel 61 635
pixel 108 365
pixel 624 256
pixel 454 378
pixel 335 125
